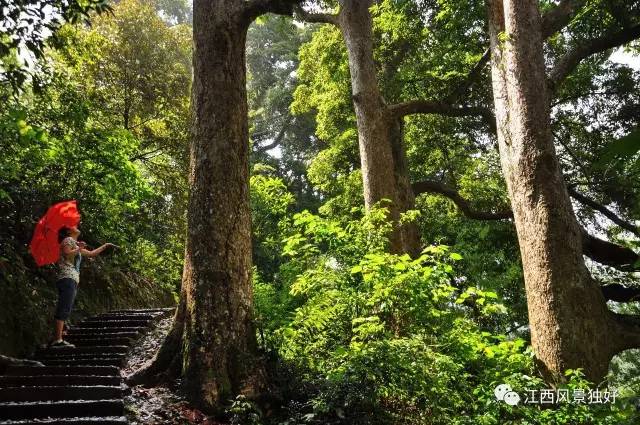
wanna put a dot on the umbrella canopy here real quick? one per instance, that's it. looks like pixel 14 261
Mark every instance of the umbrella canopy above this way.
pixel 44 245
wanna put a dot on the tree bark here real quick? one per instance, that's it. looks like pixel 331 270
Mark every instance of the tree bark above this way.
pixel 571 326
pixel 218 341
pixel 382 154
pixel 409 232
pixel 212 345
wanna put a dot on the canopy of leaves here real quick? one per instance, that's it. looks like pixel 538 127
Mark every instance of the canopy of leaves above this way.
pixel 28 26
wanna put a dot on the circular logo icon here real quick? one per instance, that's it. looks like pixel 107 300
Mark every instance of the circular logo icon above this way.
pixel 501 390
pixel 511 398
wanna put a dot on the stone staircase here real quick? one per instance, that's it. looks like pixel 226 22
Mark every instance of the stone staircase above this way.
pixel 80 385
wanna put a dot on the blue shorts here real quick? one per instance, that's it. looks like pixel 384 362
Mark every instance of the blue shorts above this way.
pixel 67 290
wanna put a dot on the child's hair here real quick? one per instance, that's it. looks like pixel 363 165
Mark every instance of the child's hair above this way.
pixel 63 233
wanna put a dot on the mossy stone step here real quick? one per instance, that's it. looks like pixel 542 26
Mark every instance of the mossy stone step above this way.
pixel 133 332
pixel 61 409
pixel 102 361
pixel 96 342
pixel 112 324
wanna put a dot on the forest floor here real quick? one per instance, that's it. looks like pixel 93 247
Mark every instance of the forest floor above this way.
pixel 162 404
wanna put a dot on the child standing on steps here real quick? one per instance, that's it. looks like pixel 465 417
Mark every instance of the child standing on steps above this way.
pixel 68 277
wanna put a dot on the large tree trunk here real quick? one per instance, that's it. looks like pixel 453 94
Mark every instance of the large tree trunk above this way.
pixel 571 326
pixel 212 345
pixel 376 127
pixel 409 232
pixel 219 343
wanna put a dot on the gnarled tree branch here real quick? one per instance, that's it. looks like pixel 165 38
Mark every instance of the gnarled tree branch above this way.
pixel 570 61
pixel 254 8
pixel 471 78
pixel 609 253
pixel 604 210
pixel 463 204
pixel 147 155
pixel 628 330
pixel 620 293
pixel 599 250
pixel 560 16
pixel 552 21
pixel 317 18
pixel 278 139
pixel 442 108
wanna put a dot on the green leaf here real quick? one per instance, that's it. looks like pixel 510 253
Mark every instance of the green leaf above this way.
pixel 626 146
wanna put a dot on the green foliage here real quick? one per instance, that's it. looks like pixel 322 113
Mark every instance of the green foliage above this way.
pixel 67 141
pixel 29 26
pixel 244 412
pixel 270 205
pixel 280 139
pixel 626 147
pixel 360 335
pixel 383 338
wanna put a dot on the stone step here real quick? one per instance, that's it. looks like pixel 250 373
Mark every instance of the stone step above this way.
pixel 106 420
pixel 95 342
pixel 120 349
pixel 43 358
pixel 61 409
pixel 112 324
pixel 62 370
pixel 126 316
pixel 60 393
pixel 107 332
pixel 89 361
pixel 109 320
pixel 64 354
pixel 81 384
pixel 145 310
pixel 52 380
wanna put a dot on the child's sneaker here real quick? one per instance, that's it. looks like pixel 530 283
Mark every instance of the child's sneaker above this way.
pixel 61 344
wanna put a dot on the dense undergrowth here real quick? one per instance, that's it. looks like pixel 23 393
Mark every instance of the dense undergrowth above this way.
pixel 358 335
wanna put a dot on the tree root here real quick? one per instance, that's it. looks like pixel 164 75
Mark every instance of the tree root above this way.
pixel 167 362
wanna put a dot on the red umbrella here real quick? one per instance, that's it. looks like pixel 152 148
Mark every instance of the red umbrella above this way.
pixel 44 245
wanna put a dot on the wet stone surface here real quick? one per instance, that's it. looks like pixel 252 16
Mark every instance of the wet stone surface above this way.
pixel 162 404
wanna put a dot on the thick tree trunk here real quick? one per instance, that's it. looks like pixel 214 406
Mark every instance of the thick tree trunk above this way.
pixel 409 232
pixel 571 326
pixel 212 345
pixel 219 346
pixel 376 127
